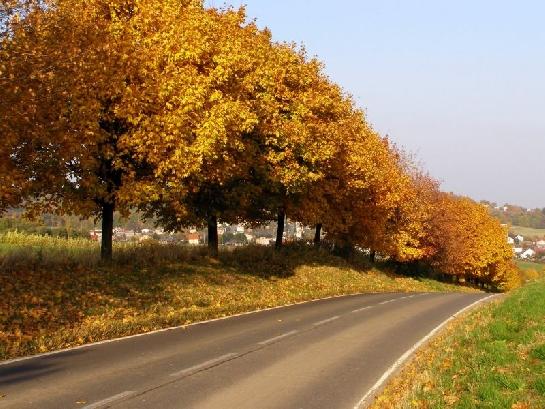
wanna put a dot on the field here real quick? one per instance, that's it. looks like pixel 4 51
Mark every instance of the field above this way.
pixel 55 293
pixel 530 265
pixel 492 358
pixel 527 232
pixel 530 270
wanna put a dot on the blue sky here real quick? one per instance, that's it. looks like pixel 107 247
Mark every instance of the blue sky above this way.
pixel 459 83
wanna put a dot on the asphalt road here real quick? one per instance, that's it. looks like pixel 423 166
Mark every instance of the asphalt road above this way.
pixel 323 354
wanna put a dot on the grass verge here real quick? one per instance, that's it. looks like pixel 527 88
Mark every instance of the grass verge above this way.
pixel 494 357
pixel 55 294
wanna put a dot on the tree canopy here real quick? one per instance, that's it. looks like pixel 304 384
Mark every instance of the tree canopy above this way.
pixel 195 115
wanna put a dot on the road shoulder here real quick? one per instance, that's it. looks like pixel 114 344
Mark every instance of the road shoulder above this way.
pixel 407 374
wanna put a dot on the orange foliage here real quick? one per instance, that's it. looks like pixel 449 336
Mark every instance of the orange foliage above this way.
pixel 470 243
pixel 188 112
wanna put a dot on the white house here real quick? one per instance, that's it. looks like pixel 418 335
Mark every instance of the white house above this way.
pixel 511 241
pixel 540 244
pixel 299 230
pixel 519 238
pixel 193 239
pixel 262 241
pixel 95 235
pixel 121 234
pixel 518 250
pixel 528 254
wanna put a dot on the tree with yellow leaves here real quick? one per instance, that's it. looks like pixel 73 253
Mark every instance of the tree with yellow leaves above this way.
pixel 227 145
pixel 470 244
pixel 298 115
pixel 98 91
pixel 405 237
pixel 13 182
pixel 261 172
pixel 334 124
pixel 367 187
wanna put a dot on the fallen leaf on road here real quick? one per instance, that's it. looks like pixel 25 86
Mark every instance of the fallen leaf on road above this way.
pixel 2 395
pixel 81 402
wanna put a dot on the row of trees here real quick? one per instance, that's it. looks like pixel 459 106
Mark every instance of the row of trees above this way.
pixel 193 115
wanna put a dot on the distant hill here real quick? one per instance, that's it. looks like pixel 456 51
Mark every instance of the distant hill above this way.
pixel 522 217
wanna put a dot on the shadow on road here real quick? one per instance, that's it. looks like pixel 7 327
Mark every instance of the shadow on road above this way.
pixel 30 370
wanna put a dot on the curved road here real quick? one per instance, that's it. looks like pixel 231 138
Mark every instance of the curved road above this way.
pixel 322 354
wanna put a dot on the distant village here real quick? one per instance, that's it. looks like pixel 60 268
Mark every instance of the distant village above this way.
pixel 524 248
pixel 229 235
pixel 527 249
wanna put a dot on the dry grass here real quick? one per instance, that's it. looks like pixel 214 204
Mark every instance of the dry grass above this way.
pixel 55 293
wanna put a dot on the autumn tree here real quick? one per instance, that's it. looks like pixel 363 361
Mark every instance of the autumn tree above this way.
pixel 405 235
pixel 469 244
pixel 271 138
pixel 225 143
pixel 98 90
pixel 363 188
pixel 299 112
pixel 13 183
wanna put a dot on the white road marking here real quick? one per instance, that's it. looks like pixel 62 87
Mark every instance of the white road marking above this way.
pixel 385 302
pixel 279 337
pixel 204 365
pixel 316 324
pixel 362 309
pixel 397 364
pixel 109 400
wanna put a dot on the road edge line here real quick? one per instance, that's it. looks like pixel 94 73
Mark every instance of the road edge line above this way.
pixel 403 358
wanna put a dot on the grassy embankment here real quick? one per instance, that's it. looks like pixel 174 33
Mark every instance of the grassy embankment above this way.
pixel 494 358
pixel 55 293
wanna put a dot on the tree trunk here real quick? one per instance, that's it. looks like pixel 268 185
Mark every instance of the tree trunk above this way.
pixel 373 256
pixel 107 231
pixel 213 241
pixel 280 228
pixel 318 235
